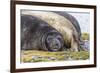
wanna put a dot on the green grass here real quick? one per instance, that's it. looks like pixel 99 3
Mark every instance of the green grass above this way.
pixel 44 56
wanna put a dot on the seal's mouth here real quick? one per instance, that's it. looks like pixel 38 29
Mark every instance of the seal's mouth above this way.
pixel 53 41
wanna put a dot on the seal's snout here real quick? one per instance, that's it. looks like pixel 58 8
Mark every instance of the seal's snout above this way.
pixel 56 44
pixel 54 41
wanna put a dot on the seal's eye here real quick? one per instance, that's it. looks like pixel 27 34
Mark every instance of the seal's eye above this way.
pixel 49 39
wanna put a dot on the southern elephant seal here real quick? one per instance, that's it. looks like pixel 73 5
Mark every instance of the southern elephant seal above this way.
pixel 37 34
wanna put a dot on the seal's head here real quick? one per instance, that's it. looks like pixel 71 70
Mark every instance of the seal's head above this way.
pixel 53 41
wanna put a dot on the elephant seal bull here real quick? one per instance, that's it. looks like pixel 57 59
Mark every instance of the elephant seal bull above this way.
pixel 72 19
pixel 37 34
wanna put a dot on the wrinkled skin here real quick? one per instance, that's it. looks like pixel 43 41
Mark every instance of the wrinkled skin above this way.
pixel 71 19
pixel 75 23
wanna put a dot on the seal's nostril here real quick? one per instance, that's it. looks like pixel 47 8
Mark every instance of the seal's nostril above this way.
pixel 56 44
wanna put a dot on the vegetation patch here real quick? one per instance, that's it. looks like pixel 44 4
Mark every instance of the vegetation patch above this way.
pixel 44 56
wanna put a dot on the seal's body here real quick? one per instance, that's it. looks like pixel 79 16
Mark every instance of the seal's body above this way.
pixel 65 24
pixel 37 34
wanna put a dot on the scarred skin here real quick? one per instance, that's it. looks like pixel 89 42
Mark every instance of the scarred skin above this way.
pixel 39 35
pixel 71 19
